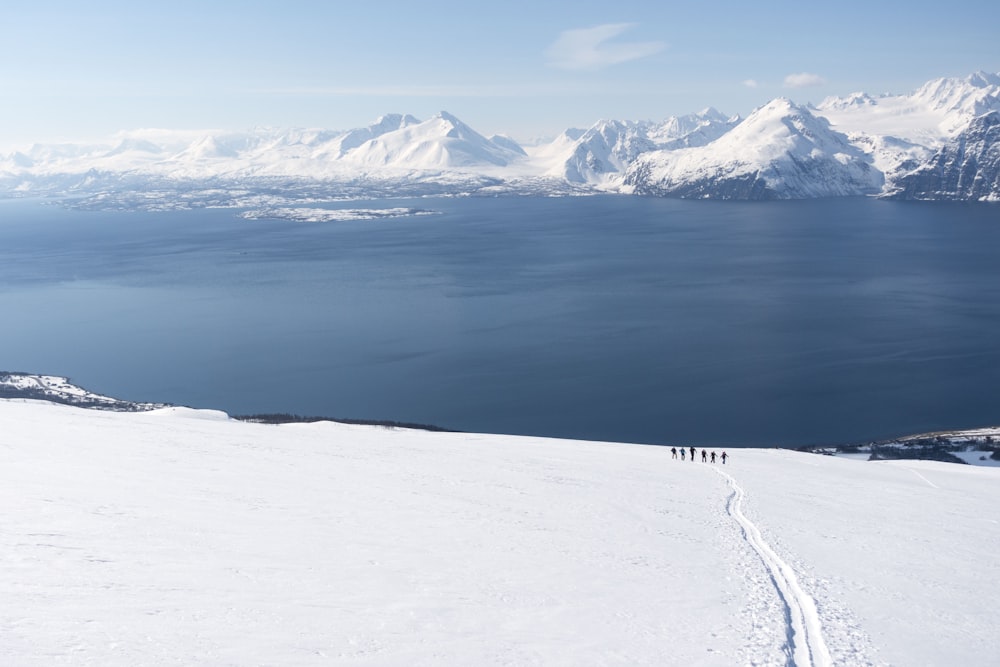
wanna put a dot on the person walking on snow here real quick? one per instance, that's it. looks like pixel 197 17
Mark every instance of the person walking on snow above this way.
pixel 673 450
pixel 704 456
pixel 682 453
pixel 713 457
pixel 692 453
pixel 724 457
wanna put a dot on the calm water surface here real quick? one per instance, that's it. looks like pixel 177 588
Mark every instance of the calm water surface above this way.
pixel 615 318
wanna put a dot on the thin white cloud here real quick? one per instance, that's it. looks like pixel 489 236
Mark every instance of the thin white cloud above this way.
pixel 803 80
pixel 434 90
pixel 592 48
pixel 750 83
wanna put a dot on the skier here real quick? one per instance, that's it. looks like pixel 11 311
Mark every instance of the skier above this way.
pixel 724 457
pixel 673 450
pixel 713 457
pixel 692 453
pixel 704 456
pixel 682 453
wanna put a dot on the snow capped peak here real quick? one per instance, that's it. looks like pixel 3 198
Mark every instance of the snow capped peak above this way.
pixel 777 105
pixel 935 112
pixel 453 127
pixel 711 113
pixel 438 143
pixel 445 116
pixel 599 154
pixel 983 79
pixel 781 126
pixel 780 150
pixel 854 100
pixel 975 94
pixel 351 139
pixel 390 122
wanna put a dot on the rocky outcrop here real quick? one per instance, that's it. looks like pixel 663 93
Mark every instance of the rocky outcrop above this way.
pixel 966 168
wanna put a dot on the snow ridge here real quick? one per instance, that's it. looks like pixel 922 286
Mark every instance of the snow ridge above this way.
pixel 806 645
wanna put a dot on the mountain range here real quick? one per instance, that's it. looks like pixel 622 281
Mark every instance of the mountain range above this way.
pixel 938 142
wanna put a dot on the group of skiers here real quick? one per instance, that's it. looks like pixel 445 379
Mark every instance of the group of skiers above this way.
pixel 704 454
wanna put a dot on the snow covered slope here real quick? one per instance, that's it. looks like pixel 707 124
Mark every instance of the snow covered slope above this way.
pixel 181 537
pixel 929 116
pixel 781 151
pixel 600 154
pixel 439 143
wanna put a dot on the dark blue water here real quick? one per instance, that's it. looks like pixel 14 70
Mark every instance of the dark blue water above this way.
pixel 616 318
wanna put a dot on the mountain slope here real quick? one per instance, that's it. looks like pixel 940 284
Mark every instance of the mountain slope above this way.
pixel 780 151
pixel 441 142
pixel 902 133
pixel 929 116
pixel 966 168
pixel 179 536
pixel 600 154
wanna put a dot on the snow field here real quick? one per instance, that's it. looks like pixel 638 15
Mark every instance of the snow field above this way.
pixel 179 536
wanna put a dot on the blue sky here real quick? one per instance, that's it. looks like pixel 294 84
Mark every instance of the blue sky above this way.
pixel 74 70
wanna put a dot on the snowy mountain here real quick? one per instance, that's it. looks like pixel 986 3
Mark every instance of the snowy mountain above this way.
pixel 966 168
pixel 604 150
pixel 931 115
pixel 180 536
pixel 696 129
pixel 600 154
pixel 905 134
pixel 859 144
pixel 340 144
pixel 780 151
pixel 393 142
pixel 439 143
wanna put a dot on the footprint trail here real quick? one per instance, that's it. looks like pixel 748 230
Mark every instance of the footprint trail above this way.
pixel 806 646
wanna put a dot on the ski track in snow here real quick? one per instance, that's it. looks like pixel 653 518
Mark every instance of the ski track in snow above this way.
pixel 929 482
pixel 805 646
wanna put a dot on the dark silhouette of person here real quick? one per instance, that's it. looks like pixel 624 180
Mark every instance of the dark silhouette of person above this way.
pixel 673 450
pixel 682 453
pixel 692 453
pixel 704 456
pixel 713 457
pixel 724 457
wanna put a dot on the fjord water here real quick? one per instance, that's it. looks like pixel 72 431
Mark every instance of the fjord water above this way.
pixel 612 317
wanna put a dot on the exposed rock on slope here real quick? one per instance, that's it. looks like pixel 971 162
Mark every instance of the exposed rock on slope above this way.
pixel 967 168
